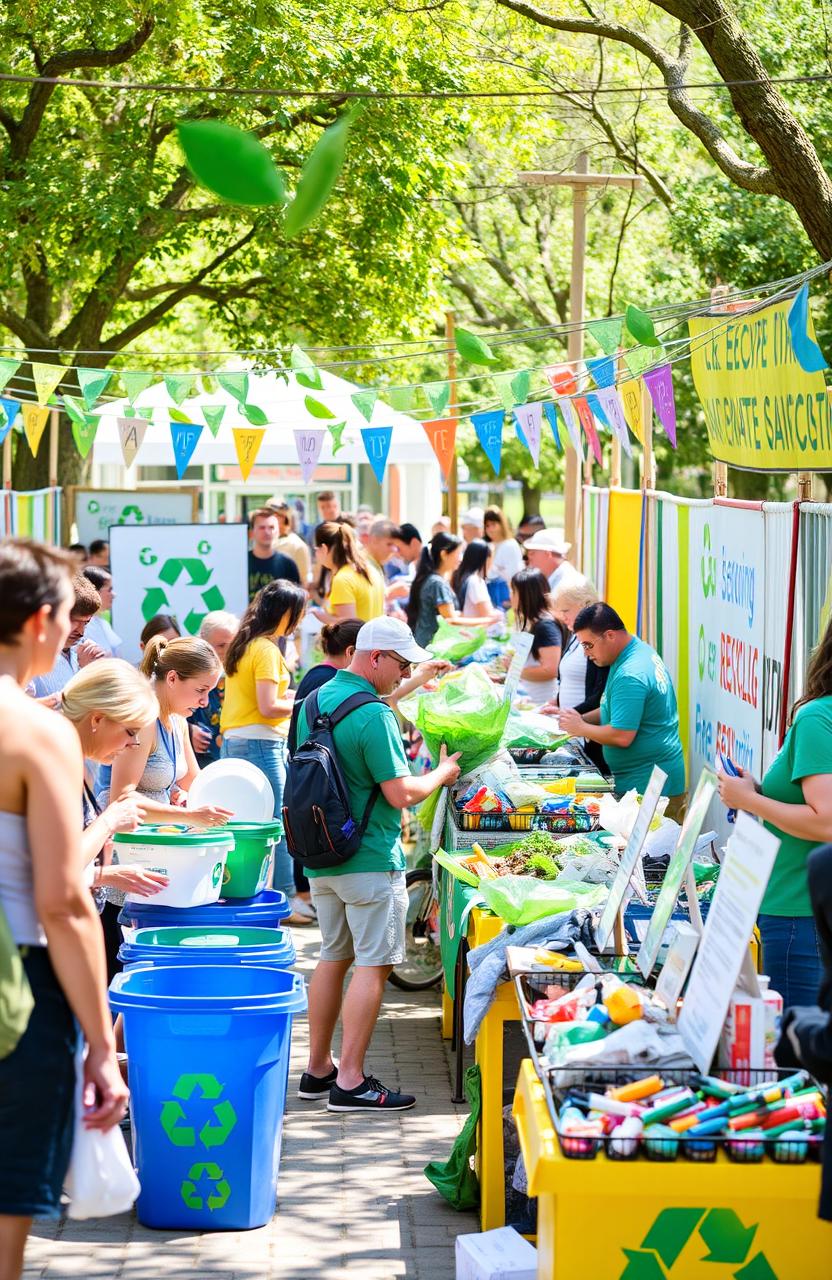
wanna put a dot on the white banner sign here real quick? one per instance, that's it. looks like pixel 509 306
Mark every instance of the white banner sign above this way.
pixel 186 569
pixel 97 509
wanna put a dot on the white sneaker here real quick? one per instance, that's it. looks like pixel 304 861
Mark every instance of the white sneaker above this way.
pixel 300 907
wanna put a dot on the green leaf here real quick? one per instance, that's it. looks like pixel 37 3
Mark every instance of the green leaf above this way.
pixel 640 327
pixel 230 162
pixel 255 415
pixel 307 372
pixel 319 175
pixel 317 409
pixel 176 415
pixel 472 348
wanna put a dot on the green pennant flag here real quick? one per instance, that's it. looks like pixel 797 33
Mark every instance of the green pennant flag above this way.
pixel 336 430
pixel 8 368
pixel 236 384
pixel 521 385
pixel 93 384
pixel 365 402
pixel 179 385
pixel 144 411
pixel 75 410
pixel 438 394
pixel 503 384
pixel 637 359
pixel 307 372
pixel 400 398
pixel 83 433
pixel 607 333
pixel 213 415
pixel 135 381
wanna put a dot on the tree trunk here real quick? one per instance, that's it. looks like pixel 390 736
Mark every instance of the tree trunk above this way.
pixel 531 499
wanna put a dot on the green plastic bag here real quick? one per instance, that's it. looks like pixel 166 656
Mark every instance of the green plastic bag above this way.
pixel 466 712
pixel 531 729
pixel 455 643
pixel 16 1002
pixel 523 899
pixel 455 1178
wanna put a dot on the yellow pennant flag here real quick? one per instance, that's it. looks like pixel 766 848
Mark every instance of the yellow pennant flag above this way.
pixel 47 377
pixel 247 442
pixel 631 397
pixel 34 421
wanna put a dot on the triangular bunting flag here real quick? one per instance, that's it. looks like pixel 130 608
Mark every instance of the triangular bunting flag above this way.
pixel 377 447
pixel 179 385
pixel 588 423
pixel 597 410
pixel 809 355
pixel 502 382
pixel 610 402
pixel 307 372
pixel 607 333
pixel 9 410
pixel 602 369
pixel 551 412
pixel 131 433
pixel 83 433
pixel 236 384
pixel 145 411
pixel 521 385
pixel 135 381
pixel 528 418
pixel 8 368
pixel 184 437
pixel 637 359
pixel 93 384
pixel 365 402
pixel 213 415
pixel 47 377
pixel 442 436
pixel 659 383
pixel 561 378
pixel 438 394
pixel 247 442
pixel 309 442
pixel 489 429
pixel 631 399
pixel 34 420
pixel 400 398
pixel 572 425
pixel 336 430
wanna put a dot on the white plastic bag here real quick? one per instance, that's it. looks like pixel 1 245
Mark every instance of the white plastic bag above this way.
pixel 101 1180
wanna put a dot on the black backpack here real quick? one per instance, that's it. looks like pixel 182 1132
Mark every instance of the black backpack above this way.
pixel 319 827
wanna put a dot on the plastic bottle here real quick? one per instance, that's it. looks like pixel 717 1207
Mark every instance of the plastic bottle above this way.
pixel 623 1003
pixel 773 1016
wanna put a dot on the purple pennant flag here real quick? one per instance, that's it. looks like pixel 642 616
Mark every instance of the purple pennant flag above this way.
pixel 610 402
pixel 573 427
pixel 528 418
pixel 659 383
pixel 309 442
pixel 552 418
pixel 602 369
pixel 489 429
pixel 10 408
pixel 185 438
pixel 377 447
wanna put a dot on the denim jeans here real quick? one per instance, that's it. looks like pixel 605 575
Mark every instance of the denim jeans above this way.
pixel 791 957
pixel 269 755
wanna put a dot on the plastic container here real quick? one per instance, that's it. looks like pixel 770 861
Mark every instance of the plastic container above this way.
pixel 237 785
pixel 208 1047
pixel 272 948
pixel 194 861
pixel 249 864
pixel 264 911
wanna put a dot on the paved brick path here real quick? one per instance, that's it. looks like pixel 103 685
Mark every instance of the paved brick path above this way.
pixel 353 1200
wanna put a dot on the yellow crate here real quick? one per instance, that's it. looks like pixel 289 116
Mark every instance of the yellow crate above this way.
pixel 614 1220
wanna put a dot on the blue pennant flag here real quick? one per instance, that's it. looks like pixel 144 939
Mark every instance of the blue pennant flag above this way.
pixel 550 409
pixel 595 405
pixel 10 409
pixel 489 429
pixel 377 447
pixel 602 369
pixel 185 438
pixel 808 353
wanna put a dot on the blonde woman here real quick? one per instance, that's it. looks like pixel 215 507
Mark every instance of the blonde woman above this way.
pixel 356 587
pixel 508 554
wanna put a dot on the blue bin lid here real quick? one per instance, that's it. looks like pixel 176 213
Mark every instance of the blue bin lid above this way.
pixel 209 988
pixel 270 905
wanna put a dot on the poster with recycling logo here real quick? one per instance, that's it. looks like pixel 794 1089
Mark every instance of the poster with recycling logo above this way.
pixel 95 510
pixel 185 569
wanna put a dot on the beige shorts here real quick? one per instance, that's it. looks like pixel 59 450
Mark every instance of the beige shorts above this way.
pixel 362 916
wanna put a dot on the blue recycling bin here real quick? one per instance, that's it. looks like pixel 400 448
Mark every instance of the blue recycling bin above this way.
pixel 212 944
pixel 208 1051
pixel 264 911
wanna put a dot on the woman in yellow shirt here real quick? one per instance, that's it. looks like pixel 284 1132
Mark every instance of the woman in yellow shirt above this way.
pixel 357 589
pixel 258 704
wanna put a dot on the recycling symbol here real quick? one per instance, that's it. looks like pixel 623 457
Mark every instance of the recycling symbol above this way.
pixel 218 1190
pixel 128 512
pixel 215 1130
pixel 93 506
pixel 720 1230
pixel 197 574
pixel 707 566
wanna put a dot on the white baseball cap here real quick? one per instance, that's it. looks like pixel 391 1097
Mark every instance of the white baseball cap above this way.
pixel 390 634
pixel 547 540
pixel 473 516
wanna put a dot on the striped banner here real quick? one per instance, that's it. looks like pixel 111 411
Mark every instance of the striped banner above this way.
pixel 813 589
pixel 778 524
pixel 31 515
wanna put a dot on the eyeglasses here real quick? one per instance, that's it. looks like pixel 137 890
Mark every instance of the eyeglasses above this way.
pixel 404 663
pixel 587 645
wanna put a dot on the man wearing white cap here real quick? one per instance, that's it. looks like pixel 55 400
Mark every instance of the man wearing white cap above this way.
pixel 362 903
pixel 471 523
pixel 547 551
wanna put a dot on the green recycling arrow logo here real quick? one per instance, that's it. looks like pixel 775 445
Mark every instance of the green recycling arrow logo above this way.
pixel 173 1118
pixel 131 512
pixel 720 1230
pixel 218 1191
pixel 197 575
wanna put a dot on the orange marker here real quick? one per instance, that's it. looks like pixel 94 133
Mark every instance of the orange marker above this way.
pixel 637 1089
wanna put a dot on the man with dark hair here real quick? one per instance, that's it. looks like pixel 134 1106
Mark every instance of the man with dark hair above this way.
pixel 99 553
pixel 264 563
pixel 529 525
pixel 408 542
pixel 329 508
pixel 77 651
pixel 637 723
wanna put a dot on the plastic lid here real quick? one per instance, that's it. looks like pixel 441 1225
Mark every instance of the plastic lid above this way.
pixel 274 828
pixel 172 833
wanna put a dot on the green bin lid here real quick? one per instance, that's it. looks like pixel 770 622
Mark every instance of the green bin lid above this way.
pixel 265 829
pixel 180 834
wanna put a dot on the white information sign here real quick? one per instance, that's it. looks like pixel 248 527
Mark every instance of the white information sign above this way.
pixel 630 856
pixel 521 643
pixel 724 946
pixel 97 509
pixel 185 569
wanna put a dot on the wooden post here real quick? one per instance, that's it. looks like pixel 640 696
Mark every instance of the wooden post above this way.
pixel 7 462
pixel 54 423
pixel 805 486
pixel 720 479
pixel 453 493
pixel 648 466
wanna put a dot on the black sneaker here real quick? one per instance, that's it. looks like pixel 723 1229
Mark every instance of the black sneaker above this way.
pixel 313 1087
pixel 370 1095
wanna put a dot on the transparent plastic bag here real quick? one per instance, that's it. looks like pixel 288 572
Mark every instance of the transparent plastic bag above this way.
pixel 453 643
pixel 531 729
pixel 522 900
pixel 465 711
pixel 101 1180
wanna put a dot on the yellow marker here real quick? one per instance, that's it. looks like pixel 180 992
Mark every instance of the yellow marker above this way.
pixel 637 1089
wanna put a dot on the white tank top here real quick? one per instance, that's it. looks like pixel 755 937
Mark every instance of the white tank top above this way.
pixel 17 893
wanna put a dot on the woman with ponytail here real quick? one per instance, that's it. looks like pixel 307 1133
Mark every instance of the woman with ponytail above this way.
pixel 357 588
pixel 258 704
pixel 432 596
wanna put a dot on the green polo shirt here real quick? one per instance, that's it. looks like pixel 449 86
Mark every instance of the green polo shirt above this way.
pixel 639 695
pixel 806 751
pixel 369 747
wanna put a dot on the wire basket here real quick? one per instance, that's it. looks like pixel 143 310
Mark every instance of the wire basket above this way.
pixel 518 820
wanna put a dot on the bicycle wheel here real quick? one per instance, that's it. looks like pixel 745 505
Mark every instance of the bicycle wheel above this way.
pixel 422 964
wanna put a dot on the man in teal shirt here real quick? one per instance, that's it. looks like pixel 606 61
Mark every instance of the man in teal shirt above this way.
pixel 637 723
pixel 362 903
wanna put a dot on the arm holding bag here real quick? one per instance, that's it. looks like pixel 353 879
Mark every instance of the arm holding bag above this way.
pixel 101 1180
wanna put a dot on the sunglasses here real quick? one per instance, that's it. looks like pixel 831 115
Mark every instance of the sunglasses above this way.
pixel 404 663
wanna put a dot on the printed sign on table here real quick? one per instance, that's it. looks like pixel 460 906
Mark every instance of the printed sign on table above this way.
pixel 187 570
pixel 630 856
pixel 97 509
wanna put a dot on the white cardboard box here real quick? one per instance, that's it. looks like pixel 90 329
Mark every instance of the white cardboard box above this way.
pixel 495 1255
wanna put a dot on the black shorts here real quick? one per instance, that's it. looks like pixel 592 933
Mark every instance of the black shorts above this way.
pixel 37 1096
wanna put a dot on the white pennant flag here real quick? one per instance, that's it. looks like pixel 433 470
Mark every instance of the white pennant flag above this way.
pixel 528 418
pixel 572 425
pixel 613 406
pixel 130 435
pixel 309 442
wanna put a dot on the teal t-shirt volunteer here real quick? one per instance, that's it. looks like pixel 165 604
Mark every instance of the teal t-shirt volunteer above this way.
pixel 806 751
pixel 639 695
pixel 370 750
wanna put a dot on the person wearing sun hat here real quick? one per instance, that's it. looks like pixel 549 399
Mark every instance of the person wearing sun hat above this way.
pixel 471 523
pixel 362 903
pixel 547 551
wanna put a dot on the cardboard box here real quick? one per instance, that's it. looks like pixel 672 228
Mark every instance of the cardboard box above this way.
pixel 495 1255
